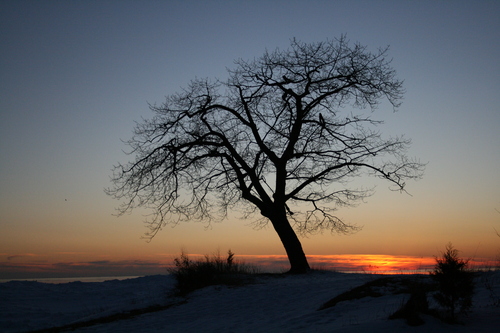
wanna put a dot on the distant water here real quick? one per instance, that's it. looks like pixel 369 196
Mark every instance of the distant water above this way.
pixel 74 279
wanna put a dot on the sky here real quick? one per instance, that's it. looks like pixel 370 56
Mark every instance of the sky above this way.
pixel 75 76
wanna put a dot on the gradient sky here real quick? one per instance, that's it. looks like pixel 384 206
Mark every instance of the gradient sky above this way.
pixel 75 75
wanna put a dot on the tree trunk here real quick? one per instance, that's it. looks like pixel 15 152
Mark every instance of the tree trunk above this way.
pixel 293 248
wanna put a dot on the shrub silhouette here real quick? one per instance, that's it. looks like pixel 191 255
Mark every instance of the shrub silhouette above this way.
pixel 455 282
pixel 212 270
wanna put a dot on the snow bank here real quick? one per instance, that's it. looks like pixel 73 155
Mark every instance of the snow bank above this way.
pixel 269 304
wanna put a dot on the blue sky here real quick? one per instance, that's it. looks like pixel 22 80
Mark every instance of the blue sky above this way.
pixel 75 75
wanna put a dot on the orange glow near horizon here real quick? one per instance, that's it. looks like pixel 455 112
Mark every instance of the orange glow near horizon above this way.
pixel 355 263
pixel 360 263
pixel 373 263
pixel 346 263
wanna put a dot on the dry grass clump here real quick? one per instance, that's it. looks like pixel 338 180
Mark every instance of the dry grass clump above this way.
pixel 212 270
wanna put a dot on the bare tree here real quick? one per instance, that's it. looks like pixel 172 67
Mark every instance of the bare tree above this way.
pixel 271 139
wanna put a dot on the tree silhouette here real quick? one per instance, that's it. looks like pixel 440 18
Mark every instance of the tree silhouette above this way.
pixel 455 280
pixel 270 140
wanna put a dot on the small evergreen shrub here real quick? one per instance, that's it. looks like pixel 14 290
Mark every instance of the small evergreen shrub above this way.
pixel 455 282
pixel 212 270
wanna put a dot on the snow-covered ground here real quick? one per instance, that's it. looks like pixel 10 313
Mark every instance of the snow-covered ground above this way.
pixel 269 304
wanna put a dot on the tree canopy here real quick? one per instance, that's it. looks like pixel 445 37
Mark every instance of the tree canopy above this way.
pixel 281 137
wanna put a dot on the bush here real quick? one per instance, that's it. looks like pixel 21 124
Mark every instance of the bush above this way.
pixel 213 270
pixel 455 282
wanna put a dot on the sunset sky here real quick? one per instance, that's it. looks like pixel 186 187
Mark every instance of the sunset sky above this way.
pixel 76 75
